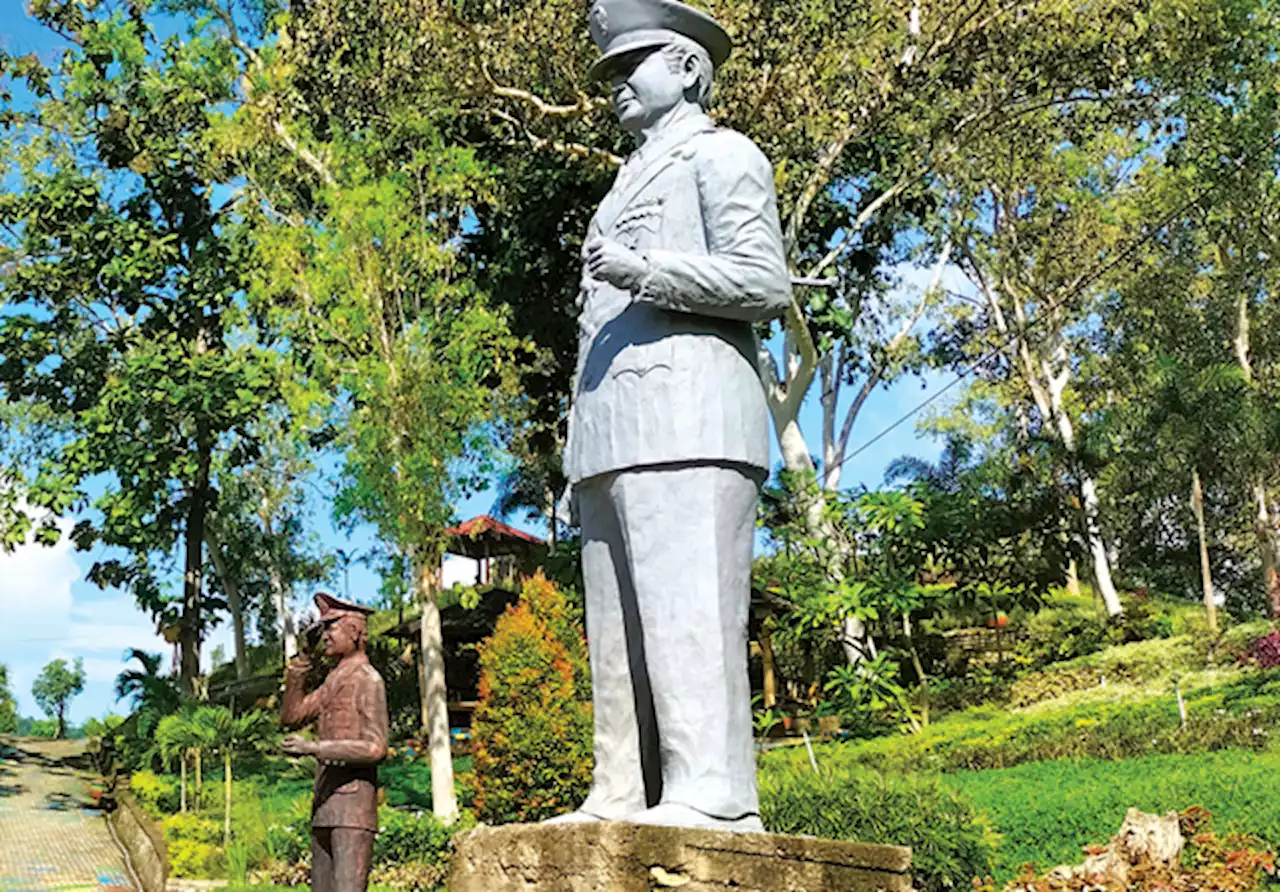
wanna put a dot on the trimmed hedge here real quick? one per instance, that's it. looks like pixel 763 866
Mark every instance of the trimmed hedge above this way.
pixel 950 841
pixel 1243 714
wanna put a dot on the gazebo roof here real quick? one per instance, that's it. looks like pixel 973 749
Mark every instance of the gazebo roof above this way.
pixel 484 537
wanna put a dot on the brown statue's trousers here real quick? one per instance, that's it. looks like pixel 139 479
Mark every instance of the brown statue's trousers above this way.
pixel 340 859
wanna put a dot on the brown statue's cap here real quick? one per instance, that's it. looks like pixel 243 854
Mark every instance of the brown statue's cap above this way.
pixel 332 608
pixel 619 27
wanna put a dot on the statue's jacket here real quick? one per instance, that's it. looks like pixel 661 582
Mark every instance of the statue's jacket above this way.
pixel 668 374
pixel 351 706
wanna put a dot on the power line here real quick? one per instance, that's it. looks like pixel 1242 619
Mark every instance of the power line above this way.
pixel 1085 283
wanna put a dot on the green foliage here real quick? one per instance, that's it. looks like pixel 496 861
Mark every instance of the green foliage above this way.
pixel 159 795
pixel 288 837
pixel 8 706
pixel 38 727
pixel 415 837
pixel 193 845
pixel 54 687
pixel 124 328
pixel 107 726
pixel 950 840
pixel 870 697
pixel 1047 811
pixel 1242 713
pixel 532 729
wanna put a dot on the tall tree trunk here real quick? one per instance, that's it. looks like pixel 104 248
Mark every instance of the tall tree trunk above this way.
pixel 183 788
pixel 435 695
pixel 62 722
pixel 1265 525
pixel 226 805
pixel 1073 578
pixel 769 668
pixel 198 780
pixel 1206 573
pixel 193 578
pixel 423 712
pixel 279 587
pixel 235 604
pixel 1088 491
pixel 1047 386
pixel 1265 528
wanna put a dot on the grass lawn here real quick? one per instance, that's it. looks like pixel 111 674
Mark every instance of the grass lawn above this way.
pixel 1046 811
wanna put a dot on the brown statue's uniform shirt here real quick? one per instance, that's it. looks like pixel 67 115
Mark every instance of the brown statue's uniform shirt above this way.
pixel 351 706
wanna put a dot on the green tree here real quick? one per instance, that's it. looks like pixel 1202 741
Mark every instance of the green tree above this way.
pixel 187 739
pixel 54 687
pixel 153 694
pixel 122 320
pixel 229 734
pixel 8 705
pixel 257 542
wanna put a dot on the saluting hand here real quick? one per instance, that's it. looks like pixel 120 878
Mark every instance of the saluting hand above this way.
pixel 609 261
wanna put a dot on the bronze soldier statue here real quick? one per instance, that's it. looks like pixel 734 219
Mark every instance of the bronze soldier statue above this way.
pixel 351 706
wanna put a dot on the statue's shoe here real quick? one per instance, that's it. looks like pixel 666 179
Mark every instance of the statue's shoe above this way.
pixel 575 817
pixel 673 814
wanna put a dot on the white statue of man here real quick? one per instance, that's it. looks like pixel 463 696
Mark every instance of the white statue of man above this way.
pixel 668 436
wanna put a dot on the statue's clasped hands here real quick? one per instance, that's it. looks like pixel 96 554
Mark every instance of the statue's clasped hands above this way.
pixel 609 261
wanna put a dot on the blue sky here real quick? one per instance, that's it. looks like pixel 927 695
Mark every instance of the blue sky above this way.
pixel 50 611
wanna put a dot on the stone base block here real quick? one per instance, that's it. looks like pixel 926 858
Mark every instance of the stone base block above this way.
pixel 618 857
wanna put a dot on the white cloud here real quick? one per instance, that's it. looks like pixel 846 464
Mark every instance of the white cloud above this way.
pixel 35 590
pixel 47 612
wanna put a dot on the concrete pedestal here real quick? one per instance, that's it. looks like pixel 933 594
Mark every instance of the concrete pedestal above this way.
pixel 620 857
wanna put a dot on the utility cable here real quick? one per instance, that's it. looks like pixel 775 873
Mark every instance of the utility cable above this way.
pixel 1089 280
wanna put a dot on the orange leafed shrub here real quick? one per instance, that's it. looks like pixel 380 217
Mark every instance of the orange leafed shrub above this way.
pixel 532 729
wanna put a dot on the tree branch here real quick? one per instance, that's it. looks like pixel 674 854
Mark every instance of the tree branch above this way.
pixel 819 177
pixel 301 152
pixel 568 149
pixel 904 331
pixel 864 217
pixel 584 106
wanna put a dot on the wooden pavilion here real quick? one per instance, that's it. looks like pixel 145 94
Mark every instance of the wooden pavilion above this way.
pixel 502 553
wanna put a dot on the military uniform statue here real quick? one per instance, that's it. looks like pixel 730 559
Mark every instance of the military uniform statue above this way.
pixel 668 434
pixel 351 706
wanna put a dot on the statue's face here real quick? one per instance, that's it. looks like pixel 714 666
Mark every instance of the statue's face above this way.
pixel 645 88
pixel 340 638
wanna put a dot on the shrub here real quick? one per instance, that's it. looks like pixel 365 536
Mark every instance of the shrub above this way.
pixel 288 840
pixel 157 794
pixel 1265 651
pixel 192 842
pixel 1240 714
pixel 415 838
pixel 189 859
pixel 412 876
pixel 950 842
pixel 190 825
pixel 532 728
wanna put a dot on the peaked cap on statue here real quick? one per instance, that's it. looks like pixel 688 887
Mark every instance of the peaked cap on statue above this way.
pixel 332 608
pixel 619 27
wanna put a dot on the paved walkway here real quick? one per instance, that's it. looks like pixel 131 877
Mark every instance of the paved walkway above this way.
pixel 50 839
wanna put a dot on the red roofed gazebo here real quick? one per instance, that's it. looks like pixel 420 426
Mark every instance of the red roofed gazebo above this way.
pixel 485 539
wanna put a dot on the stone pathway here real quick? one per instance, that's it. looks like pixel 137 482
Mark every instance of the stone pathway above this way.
pixel 50 837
